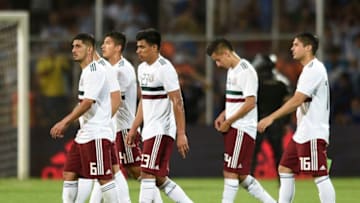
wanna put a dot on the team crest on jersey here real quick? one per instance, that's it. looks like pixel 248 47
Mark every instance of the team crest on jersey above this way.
pixel 146 78
pixel 231 81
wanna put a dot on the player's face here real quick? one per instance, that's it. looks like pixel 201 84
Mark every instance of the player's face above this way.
pixel 145 51
pixel 221 59
pixel 79 50
pixel 298 49
pixel 109 48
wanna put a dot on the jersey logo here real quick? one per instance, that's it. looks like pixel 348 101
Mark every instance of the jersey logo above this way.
pixel 92 67
pixel 121 63
pixel 243 65
pixel 102 62
pixel 162 62
pixel 146 78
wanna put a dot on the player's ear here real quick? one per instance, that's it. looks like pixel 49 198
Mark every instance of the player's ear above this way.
pixel 90 50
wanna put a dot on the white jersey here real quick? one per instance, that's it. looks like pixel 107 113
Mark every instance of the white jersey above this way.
pixel 242 82
pixel 156 80
pixel 126 77
pixel 114 87
pixel 313 115
pixel 95 123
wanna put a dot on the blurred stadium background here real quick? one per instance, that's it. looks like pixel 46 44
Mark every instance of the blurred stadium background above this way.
pixel 254 26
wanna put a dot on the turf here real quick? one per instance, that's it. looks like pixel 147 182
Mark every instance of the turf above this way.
pixel 201 190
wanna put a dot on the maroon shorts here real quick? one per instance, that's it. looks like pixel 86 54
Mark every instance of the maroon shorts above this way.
pixel 90 160
pixel 114 154
pixel 156 155
pixel 239 149
pixel 308 158
pixel 128 155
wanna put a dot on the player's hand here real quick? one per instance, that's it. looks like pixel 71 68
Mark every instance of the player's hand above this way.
pixel 182 145
pixel 130 138
pixel 224 127
pixel 218 121
pixel 57 131
pixel 264 123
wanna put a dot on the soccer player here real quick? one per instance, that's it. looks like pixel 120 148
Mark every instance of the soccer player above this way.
pixel 120 181
pixel 130 156
pixel 238 121
pixel 306 151
pixel 89 156
pixel 162 111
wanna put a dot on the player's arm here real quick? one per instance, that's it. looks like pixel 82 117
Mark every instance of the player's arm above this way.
pixel 290 106
pixel 219 120
pixel 249 104
pixel 179 113
pixel 115 101
pixel 58 129
pixel 130 138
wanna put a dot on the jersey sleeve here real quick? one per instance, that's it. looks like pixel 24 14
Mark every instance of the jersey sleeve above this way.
pixel 250 83
pixel 123 78
pixel 111 76
pixel 170 78
pixel 308 81
pixel 93 84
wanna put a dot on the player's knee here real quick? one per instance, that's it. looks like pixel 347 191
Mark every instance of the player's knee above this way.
pixel 283 169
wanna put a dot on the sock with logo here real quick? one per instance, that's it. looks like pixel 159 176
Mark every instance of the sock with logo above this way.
pixel 84 189
pixel 69 191
pixel 96 194
pixel 175 192
pixel 231 186
pixel 326 189
pixel 109 192
pixel 122 187
pixel 287 187
pixel 256 190
pixel 147 188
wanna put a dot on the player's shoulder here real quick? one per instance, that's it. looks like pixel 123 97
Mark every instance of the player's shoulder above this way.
pixel 315 67
pixel 94 68
pixel 164 64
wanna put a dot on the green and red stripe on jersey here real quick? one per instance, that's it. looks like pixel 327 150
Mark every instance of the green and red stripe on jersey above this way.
pixel 153 92
pixel 234 96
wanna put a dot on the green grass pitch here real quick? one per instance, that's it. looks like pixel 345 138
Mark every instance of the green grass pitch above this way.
pixel 201 190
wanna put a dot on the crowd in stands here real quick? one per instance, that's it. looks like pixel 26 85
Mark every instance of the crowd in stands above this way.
pixel 54 22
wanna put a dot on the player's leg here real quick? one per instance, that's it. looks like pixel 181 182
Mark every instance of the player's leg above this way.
pixel 84 189
pixel 96 162
pixel 121 184
pixel 172 190
pixel 155 161
pixel 134 171
pixel 71 169
pixel 96 194
pixel 130 158
pixel 318 160
pixel 289 165
pixel 120 180
pixel 239 149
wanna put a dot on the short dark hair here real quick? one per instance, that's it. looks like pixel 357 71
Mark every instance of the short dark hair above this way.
pixel 118 37
pixel 309 39
pixel 217 45
pixel 87 39
pixel 150 35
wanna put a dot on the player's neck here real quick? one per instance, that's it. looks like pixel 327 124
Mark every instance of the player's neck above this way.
pixel 235 59
pixel 304 61
pixel 115 59
pixel 152 59
pixel 84 63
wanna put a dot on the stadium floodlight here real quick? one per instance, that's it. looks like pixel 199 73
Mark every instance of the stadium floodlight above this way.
pixel 14 88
